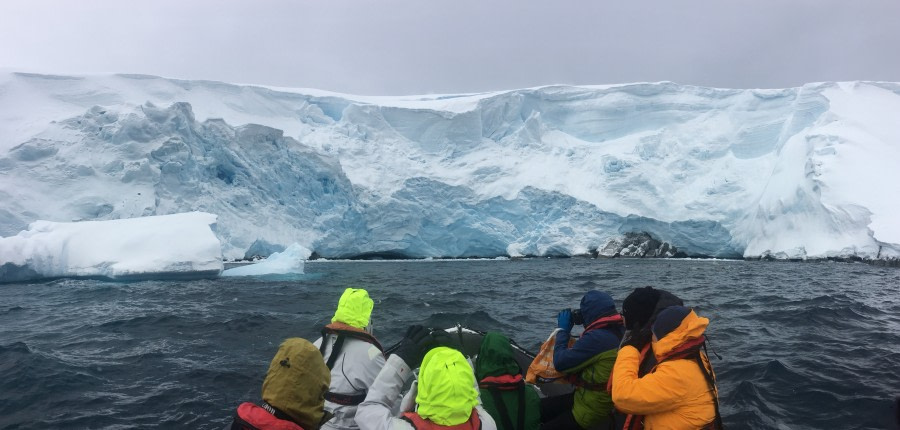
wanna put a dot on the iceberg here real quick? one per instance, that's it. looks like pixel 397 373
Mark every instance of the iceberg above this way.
pixel 177 246
pixel 643 169
pixel 288 262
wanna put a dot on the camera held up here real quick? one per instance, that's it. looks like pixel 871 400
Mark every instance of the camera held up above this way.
pixel 577 318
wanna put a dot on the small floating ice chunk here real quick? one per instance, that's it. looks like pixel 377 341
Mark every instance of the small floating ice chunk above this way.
pixel 290 261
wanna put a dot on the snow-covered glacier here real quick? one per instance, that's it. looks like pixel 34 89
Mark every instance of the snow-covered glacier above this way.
pixel 808 172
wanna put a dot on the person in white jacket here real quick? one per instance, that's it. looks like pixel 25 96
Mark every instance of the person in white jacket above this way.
pixel 446 397
pixel 353 355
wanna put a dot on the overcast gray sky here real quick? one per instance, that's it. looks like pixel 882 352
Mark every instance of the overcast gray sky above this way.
pixel 422 46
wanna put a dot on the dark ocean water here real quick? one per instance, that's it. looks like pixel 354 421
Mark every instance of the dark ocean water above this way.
pixel 804 346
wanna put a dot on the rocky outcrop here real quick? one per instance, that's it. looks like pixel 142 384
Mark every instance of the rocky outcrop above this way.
pixel 638 245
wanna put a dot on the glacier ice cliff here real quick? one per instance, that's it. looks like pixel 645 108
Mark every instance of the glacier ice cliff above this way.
pixel 799 173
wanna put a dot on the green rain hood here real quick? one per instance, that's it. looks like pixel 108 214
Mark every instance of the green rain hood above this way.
pixel 495 359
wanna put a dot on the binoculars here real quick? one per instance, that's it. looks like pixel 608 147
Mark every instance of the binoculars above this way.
pixel 577 318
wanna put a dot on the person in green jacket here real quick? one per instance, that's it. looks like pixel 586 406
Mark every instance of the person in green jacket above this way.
pixel 588 363
pixel 513 404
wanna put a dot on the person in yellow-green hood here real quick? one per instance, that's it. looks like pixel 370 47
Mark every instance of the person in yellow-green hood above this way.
pixel 446 397
pixel 293 393
pixel 353 355
pixel 680 392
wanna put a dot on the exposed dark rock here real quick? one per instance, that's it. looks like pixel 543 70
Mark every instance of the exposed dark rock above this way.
pixel 638 245
pixel 885 262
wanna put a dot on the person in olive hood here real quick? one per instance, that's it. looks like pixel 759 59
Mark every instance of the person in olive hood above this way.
pixel 513 404
pixel 293 392
pixel 589 361
pixel 354 356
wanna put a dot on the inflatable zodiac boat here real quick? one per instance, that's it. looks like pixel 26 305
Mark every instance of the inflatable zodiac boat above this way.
pixel 468 341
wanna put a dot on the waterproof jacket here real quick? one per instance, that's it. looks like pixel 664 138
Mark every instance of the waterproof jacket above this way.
pixel 504 393
pixel 676 393
pixel 352 372
pixel 379 410
pixel 591 358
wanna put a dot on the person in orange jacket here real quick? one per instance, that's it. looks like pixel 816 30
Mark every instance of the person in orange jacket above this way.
pixel 680 392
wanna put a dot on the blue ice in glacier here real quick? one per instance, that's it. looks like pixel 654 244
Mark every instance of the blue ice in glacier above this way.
pixel 558 170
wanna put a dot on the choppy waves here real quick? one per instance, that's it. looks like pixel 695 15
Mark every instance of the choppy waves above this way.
pixel 804 346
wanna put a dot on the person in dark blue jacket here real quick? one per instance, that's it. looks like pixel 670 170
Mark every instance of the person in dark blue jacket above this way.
pixel 588 362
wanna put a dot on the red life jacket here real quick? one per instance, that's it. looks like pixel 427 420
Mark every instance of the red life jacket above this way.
pixel 605 322
pixel 688 349
pixel 495 385
pixel 474 422
pixel 502 382
pixel 252 417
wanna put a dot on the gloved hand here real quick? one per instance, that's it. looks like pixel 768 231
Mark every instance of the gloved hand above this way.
pixel 564 320
pixel 638 338
pixel 441 338
pixel 412 347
